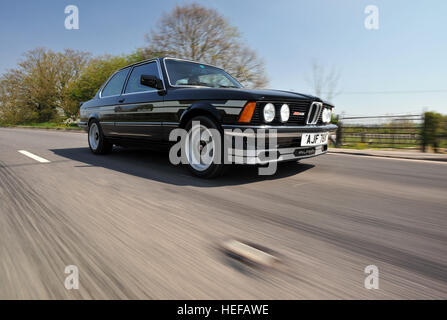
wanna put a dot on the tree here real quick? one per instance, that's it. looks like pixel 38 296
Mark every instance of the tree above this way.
pixel 324 82
pixel 47 85
pixel 71 65
pixel 435 127
pixel 14 107
pixel 202 34
pixel 36 90
pixel 92 77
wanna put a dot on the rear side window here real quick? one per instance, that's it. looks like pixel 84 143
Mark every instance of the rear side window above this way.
pixel 115 85
pixel 134 85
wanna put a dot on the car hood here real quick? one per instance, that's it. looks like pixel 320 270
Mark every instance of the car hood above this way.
pixel 269 94
pixel 205 93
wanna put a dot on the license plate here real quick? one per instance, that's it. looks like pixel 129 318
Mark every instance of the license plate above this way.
pixel 313 139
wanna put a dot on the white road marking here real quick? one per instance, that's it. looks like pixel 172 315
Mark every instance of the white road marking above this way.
pixel 33 156
pixel 388 158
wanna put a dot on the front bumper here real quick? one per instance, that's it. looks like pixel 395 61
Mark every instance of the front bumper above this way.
pixel 287 147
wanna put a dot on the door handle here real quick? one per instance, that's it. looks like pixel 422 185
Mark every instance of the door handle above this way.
pixel 121 100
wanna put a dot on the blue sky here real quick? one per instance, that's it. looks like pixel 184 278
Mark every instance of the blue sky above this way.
pixel 407 53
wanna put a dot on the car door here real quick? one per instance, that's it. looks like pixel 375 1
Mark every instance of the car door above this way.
pixel 108 100
pixel 137 114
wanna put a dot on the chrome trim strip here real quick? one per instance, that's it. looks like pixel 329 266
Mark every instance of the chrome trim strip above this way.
pixel 167 109
pixel 261 135
pixel 328 127
pixel 137 124
pixel 309 111
pixel 318 108
pixel 137 92
pixel 317 115
pixel 132 134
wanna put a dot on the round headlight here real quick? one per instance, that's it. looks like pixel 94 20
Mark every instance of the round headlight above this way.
pixel 327 115
pixel 269 112
pixel 285 113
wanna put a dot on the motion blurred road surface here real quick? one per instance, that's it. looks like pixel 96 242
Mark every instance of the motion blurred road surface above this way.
pixel 138 227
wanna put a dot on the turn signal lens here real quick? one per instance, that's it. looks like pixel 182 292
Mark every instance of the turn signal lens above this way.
pixel 247 113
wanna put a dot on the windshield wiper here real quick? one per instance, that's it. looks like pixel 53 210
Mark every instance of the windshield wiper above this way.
pixel 221 86
pixel 202 84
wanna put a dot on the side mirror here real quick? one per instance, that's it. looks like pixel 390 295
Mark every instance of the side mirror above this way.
pixel 151 81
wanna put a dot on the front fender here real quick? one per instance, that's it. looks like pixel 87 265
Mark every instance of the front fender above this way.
pixel 200 108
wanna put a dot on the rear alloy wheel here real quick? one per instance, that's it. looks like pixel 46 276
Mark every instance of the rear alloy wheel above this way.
pixel 97 142
pixel 201 148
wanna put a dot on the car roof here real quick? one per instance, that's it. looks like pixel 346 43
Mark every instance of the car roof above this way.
pixel 140 62
pixel 161 59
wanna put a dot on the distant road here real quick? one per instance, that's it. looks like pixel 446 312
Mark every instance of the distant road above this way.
pixel 138 227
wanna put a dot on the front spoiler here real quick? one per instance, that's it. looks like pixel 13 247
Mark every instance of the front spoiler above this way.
pixel 265 156
pixel 274 155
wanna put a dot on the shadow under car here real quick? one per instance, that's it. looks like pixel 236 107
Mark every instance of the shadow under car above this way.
pixel 155 165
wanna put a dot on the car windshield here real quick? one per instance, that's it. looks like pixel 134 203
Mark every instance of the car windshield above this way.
pixel 185 73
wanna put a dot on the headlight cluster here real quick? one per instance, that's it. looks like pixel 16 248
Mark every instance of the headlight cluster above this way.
pixel 285 113
pixel 269 112
pixel 327 115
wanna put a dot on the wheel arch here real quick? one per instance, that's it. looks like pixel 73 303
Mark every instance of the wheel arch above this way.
pixel 92 117
pixel 200 109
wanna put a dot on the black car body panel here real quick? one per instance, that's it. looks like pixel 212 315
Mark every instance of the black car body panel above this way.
pixel 150 115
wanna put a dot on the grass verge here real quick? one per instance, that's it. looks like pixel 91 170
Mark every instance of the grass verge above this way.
pixel 45 125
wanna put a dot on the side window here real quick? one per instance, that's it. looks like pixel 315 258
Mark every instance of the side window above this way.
pixel 134 85
pixel 115 85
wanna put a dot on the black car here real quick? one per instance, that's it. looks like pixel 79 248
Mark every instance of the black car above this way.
pixel 143 103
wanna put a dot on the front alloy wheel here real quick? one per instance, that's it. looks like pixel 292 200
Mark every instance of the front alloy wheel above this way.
pixel 204 148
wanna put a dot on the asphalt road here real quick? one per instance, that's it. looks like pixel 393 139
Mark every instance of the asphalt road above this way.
pixel 138 227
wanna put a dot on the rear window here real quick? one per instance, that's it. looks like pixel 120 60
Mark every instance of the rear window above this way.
pixel 115 85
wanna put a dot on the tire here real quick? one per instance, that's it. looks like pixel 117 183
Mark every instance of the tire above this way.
pixel 96 140
pixel 207 170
